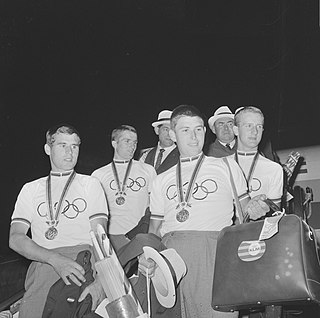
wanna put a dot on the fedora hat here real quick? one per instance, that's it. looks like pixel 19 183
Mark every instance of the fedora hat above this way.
pixel 221 112
pixel 168 273
pixel 163 117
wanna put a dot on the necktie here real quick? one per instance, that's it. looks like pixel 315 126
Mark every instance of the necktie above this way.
pixel 159 158
pixel 228 146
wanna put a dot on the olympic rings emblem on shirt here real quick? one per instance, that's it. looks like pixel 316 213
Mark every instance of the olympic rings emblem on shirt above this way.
pixel 255 185
pixel 134 185
pixel 200 190
pixel 70 209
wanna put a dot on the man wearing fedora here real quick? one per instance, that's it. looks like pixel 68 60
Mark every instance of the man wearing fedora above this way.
pixel 221 124
pixel 165 154
pixel 126 183
pixel 190 203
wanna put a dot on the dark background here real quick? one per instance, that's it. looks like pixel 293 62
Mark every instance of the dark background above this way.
pixel 100 63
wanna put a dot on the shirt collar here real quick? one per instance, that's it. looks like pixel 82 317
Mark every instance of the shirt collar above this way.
pixel 120 161
pixel 243 153
pixel 190 159
pixel 60 173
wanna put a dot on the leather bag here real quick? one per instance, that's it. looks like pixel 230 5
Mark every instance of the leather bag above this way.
pixel 281 270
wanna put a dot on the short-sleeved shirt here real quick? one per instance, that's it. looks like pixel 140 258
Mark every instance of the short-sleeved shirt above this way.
pixel 84 201
pixel 211 200
pixel 126 216
pixel 267 176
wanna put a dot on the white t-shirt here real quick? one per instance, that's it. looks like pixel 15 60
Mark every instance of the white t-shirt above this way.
pixel 267 176
pixel 211 200
pixel 126 216
pixel 83 202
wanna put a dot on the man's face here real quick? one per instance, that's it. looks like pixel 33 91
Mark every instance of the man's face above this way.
pixel 189 134
pixel 125 146
pixel 249 131
pixel 223 128
pixel 163 132
pixel 63 152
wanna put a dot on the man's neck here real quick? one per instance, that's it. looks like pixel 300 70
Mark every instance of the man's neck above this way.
pixel 161 145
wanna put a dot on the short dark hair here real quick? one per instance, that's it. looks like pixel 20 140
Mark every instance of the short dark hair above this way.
pixel 117 131
pixel 185 110
pixel 60 129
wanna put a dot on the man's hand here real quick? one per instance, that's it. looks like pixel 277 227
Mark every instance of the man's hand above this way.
pixel 146 266
pixel 97 293
pixel 256 207
pixel 67 269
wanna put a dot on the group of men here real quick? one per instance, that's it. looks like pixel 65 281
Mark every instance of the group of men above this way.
pixel 187 196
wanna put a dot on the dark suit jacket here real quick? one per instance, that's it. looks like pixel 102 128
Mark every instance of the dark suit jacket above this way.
pixel 170 161
pixel 216 149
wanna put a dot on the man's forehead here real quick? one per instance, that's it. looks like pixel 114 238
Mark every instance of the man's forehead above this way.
pixel 127 134
pixel 59 137
pixel 224 120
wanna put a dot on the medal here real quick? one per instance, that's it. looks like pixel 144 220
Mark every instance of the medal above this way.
pixel 182 215
pixel 53 221
pixel 120 200
pixel 252 168
pixel 51 233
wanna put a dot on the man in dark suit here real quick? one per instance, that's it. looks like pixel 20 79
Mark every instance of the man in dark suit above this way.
pixel 165 154
pixel 221 124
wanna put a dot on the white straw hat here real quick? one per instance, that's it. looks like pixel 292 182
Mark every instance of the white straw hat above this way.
pixel 221 112
pixel 168 273
pixel 163 117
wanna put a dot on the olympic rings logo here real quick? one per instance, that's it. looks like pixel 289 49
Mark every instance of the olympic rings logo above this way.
pixel 70 209
pixel 133 184
pixel 199 192
pixel 255 185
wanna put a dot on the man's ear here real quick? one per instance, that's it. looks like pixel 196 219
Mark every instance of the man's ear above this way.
pixel 236 130
pixel 172 135
pixel 213 129
pixel 156 130
pixel 114 144
pixel 47 149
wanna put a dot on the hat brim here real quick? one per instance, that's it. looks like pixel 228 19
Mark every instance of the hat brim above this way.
pixel 162 280
pixel 160 122
pixel 213 119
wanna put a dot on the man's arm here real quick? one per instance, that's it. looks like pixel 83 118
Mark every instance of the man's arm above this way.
pixel 154 227
pixel 65 267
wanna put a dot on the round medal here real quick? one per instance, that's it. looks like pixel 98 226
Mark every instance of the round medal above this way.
pixel 120 200
pixel 182 215
pixel 51 233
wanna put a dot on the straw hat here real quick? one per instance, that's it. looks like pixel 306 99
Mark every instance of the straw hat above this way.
pixel 163 118
pixel 171 268
pixel 221 112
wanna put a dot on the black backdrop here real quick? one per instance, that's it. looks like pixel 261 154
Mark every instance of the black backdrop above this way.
pixel 97 64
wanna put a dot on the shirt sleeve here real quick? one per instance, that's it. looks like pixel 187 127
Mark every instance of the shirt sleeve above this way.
pixel 157 200
pixel 276 185
pixel 97 202
pixel 24 207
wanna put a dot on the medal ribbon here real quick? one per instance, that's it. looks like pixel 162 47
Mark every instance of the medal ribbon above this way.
pixel 116 176
pixel 252 167
pixel 54 218
pixel 185 201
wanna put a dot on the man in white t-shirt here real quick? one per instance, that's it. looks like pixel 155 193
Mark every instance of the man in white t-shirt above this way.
pixel 61 210
pixel 263 175
pixel 190 204
pixel 126 183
